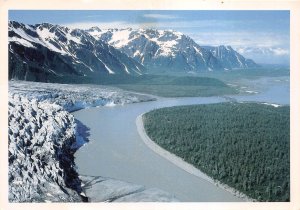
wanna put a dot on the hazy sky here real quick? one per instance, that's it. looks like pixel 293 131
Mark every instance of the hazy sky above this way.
pixel 241 29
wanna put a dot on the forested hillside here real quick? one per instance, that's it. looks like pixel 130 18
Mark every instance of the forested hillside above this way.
pixel 244 145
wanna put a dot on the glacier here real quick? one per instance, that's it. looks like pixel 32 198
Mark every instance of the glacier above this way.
pixel 41 162
pixel 43 137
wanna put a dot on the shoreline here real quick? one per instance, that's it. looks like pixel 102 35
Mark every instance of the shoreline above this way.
pixel 179 162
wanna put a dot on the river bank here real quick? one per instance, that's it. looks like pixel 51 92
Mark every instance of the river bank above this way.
pixel 179 162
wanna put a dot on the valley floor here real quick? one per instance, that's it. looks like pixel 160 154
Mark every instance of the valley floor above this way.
pixel 35 108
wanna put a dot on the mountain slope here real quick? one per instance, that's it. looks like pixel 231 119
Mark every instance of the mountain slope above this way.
pixel 167 49
pixel 230 58
pixel 43 50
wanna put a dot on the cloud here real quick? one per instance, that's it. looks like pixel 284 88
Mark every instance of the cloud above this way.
pixel 280 51
pixel 241 39
pixel 160 16
pixel 266 54
pixel 93 16
pixel 102 25
pixel 113 24
pixel 275 51
pixel 206 25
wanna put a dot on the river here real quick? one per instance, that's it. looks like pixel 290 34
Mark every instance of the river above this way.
pixel 116 150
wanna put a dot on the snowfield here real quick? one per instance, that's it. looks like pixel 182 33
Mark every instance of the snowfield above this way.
pixel 43 136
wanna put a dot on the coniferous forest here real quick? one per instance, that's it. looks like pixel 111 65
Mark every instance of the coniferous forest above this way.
pixel 244 145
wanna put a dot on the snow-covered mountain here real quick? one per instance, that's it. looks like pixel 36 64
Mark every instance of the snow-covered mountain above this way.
pixel 230 58
pixel 168 49
pixel 44 52
pixel 39 51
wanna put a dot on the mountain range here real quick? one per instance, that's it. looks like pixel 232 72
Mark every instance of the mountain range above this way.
pixel 44 51
pixel 168 49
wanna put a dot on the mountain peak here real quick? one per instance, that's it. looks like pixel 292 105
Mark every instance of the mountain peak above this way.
pixel 45 25
pixel 94 28
pixel 225 47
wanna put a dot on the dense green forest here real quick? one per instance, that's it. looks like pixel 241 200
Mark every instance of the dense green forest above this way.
pixel 245 145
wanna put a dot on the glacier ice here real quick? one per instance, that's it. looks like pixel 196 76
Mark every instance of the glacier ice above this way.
pixel 43 137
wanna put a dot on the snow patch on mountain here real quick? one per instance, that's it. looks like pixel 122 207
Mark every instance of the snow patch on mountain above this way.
pixel 73 38
pixel 120 38
pixel 46 36
pixel 167 47
pixel 20 41
pixel 24 35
